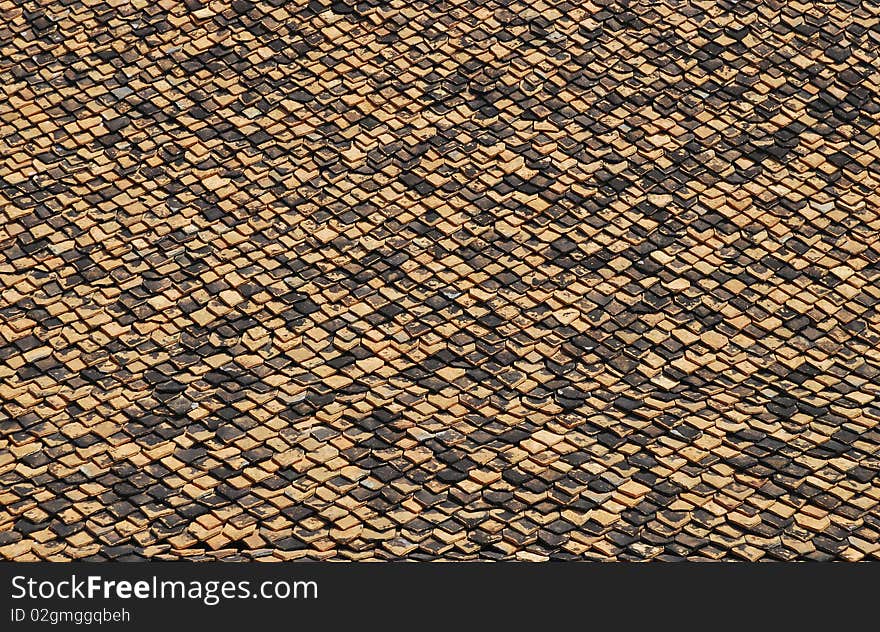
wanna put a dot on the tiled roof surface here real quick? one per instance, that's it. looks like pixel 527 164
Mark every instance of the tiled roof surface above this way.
pixel 459 280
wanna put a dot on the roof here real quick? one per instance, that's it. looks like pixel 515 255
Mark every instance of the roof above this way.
pixel 439 280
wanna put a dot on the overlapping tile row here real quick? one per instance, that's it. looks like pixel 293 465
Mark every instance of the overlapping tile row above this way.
pixel 439 280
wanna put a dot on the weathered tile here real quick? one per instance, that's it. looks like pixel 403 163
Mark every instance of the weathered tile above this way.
pixel 461 280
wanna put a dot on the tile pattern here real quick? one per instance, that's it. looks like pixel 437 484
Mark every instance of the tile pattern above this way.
pixel 461 280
